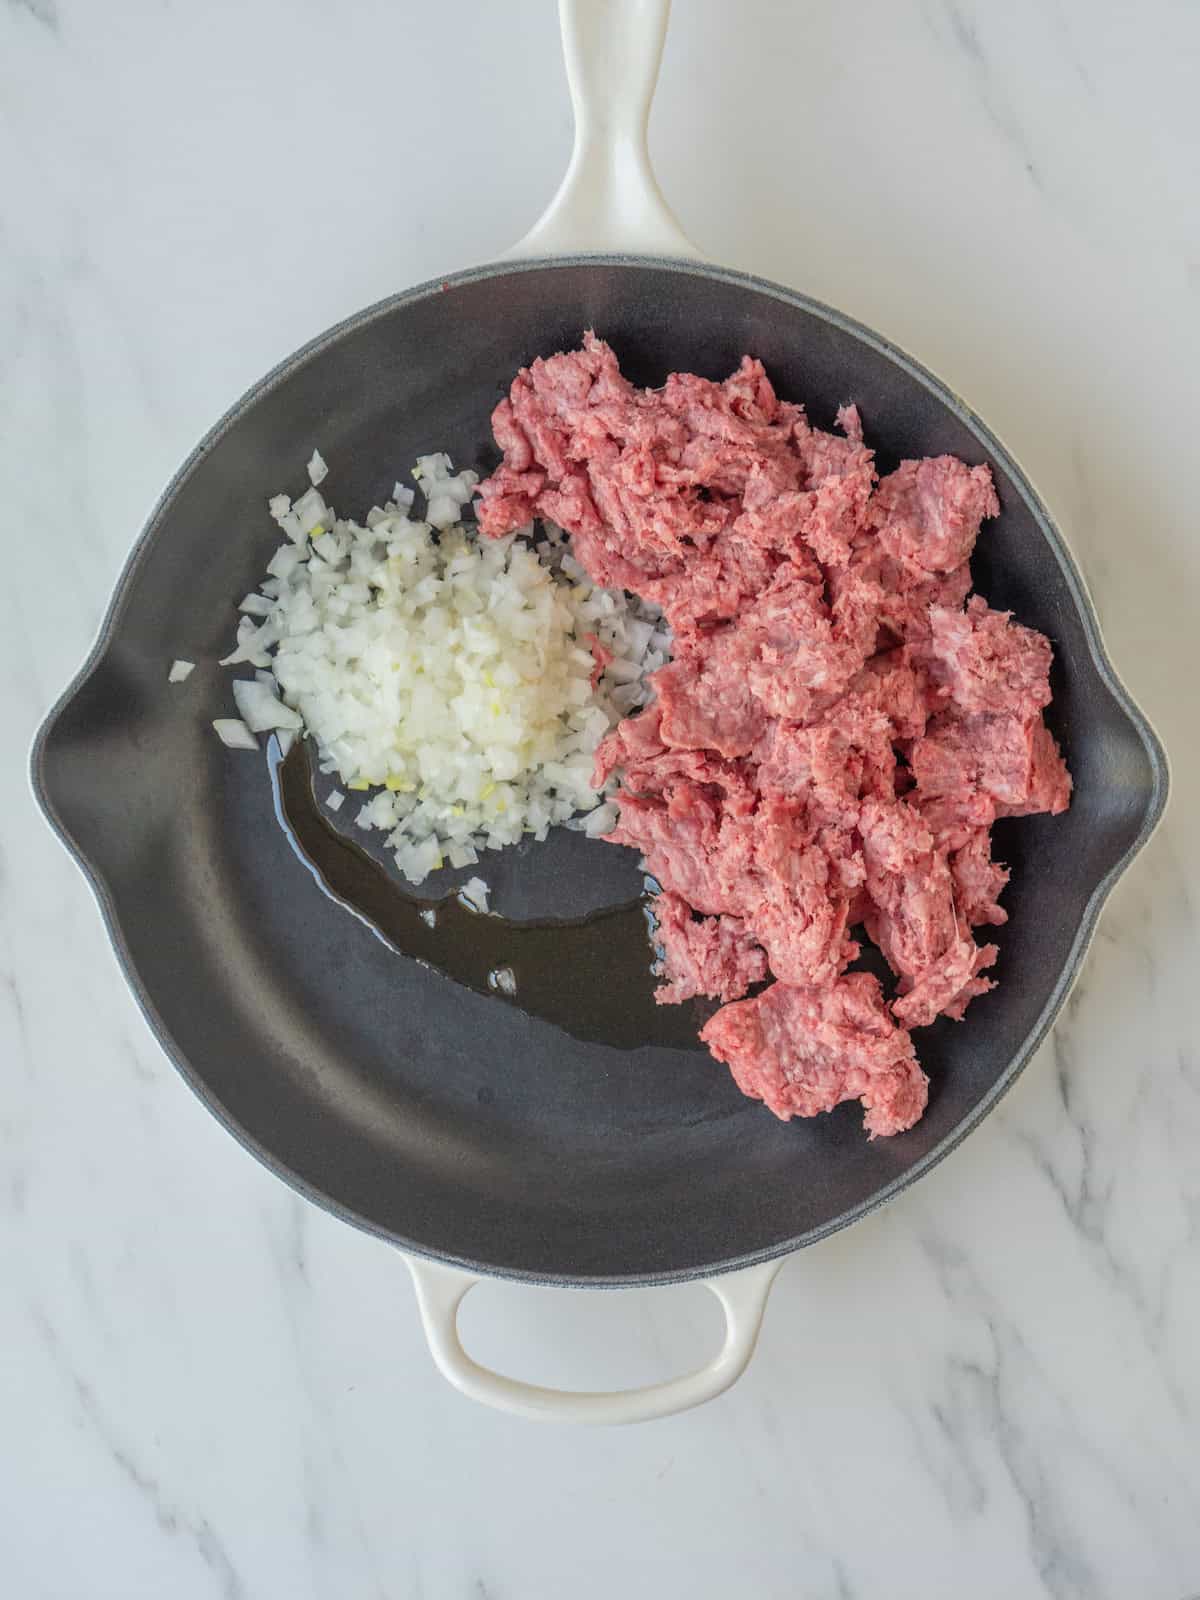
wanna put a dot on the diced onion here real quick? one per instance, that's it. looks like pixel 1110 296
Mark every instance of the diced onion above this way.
pixel 445 677
pixel 474 895
pixel 234 732
pixel 261 710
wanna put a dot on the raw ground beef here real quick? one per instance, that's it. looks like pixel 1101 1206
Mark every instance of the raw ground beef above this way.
pixel 803 1051
pixel 839 726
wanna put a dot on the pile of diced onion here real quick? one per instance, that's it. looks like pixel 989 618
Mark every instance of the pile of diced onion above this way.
pixel 448 678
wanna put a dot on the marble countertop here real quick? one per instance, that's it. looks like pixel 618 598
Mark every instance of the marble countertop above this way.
pixel 209 1388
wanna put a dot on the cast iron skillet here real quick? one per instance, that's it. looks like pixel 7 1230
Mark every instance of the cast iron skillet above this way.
pixel 466 1132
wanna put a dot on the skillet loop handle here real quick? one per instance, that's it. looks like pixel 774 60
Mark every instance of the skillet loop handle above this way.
pixel 441 1290
pixel 609 199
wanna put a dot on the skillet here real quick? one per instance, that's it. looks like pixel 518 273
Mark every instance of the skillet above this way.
pixel 475 1137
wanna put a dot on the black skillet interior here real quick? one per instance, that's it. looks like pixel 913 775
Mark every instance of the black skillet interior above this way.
pixel 448 1120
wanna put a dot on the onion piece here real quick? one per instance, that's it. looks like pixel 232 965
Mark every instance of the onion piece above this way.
pixel 261 710
pixel 601 821
pixel 232 731
pixel 474 895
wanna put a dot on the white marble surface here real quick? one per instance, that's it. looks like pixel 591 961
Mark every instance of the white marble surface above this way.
pixel 208 1388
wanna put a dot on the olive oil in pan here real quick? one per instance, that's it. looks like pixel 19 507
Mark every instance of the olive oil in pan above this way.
pixel 591 976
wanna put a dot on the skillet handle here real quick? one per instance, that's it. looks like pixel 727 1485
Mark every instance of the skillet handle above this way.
pixel 609 199
pixel 441 1290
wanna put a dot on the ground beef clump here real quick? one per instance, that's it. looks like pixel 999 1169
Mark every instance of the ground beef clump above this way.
pixel 838 729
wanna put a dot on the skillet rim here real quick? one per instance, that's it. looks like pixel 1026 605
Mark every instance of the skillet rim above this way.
pixel 1155 752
